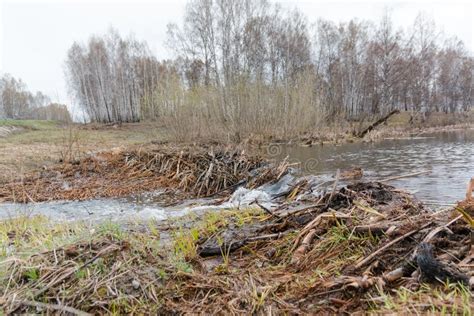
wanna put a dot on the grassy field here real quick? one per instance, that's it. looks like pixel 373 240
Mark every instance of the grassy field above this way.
pixel 34 144
pixel 31 124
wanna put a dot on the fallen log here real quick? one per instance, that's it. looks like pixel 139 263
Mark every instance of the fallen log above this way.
pixel 377 123
pixel 212 249
pixel 226 247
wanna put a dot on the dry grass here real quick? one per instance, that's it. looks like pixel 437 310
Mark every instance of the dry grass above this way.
pixel 198 171
pixel 118 270
pixel 45 144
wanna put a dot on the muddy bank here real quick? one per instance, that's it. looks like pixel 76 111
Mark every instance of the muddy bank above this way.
pixel 363 247
pixel 187 171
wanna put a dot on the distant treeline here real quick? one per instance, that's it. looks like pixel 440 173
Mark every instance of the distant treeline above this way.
pixel 249 66
pixel 16 102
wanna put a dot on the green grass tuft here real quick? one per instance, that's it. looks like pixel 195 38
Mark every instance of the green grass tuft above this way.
pixel 31 124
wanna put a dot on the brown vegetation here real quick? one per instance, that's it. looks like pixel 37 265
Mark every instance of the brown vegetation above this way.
pixel 36 144
pixel 364 247
pixel 198 171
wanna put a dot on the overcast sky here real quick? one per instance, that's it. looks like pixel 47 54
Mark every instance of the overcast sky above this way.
pixel 35 35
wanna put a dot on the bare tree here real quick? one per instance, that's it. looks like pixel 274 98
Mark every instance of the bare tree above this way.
pixel 248 66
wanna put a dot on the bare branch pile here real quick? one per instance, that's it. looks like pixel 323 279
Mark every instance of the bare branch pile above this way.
pixel 367 246
pixel 192 172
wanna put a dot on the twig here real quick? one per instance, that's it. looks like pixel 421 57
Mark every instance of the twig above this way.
pixel 112 247
pixel 338 173
pixel 304 209
pixel 369 209
pixel 56 307
pixel 303 248
pixel 266 210
pixel 438 229
pixel 404 176
pixel 315 222
pixel 375 253
pixel 270 236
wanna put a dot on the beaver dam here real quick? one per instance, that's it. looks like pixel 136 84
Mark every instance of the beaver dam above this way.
pixel 309 247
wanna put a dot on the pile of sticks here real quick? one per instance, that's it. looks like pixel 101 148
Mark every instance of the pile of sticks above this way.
pixel 364 238
pixel 192 172
pixel 348 251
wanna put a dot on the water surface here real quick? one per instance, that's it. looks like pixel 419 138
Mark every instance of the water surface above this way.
pixel 448 156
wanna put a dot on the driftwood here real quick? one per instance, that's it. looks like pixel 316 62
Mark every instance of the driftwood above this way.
pixel 208 250
pixel 404 271
pixel 404 176
pixel 375 253
pixel 470 188
pixel 55 307
pixel 303 248
pixel 225 248
pixel 267 210
pixel 332 215
pixel 377 123
pixel 375 230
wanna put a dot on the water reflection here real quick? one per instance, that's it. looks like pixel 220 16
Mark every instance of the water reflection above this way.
pixel 449 156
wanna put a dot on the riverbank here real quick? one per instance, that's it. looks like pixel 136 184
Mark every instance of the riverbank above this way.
pixel 177 172
pixel 300 247
pixel 32 146
pixel 28 146
pixel 400 125
pixel 364 247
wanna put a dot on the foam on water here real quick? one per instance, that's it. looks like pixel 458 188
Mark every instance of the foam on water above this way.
pixel 140 209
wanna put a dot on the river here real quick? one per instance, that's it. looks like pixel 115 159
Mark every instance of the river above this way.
pixel 447 157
